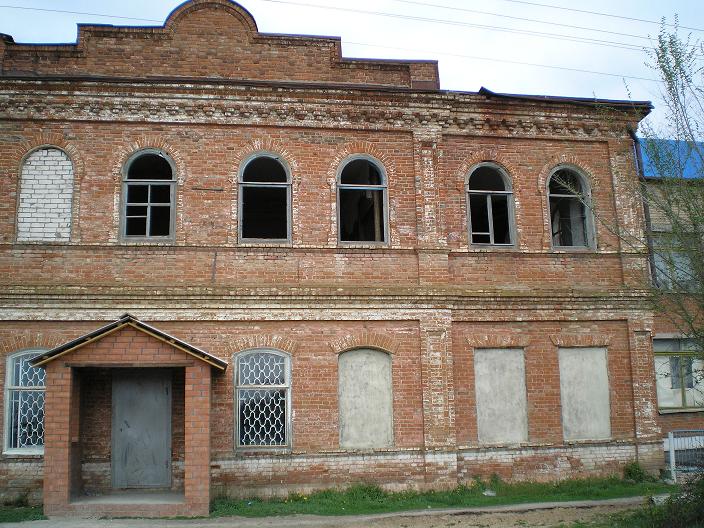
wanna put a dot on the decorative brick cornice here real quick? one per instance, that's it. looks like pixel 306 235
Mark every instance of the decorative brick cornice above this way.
pixel 304 107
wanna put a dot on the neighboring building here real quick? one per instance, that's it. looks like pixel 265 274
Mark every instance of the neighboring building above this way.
pixel 678 357
pixel 336 273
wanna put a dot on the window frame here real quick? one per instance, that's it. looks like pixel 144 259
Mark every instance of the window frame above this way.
pixel 288 184
pixel 692 354
pixel 384 187
pixel 488 194
pixel 8 389
pixel 585 199
pixel 126 182
pixel 287 387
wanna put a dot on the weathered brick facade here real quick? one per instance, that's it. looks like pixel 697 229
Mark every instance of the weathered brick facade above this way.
pixel 209 91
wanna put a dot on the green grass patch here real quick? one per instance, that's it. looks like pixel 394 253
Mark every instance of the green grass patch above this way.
pixel 20 513
pixel 363 499
pixel 684 509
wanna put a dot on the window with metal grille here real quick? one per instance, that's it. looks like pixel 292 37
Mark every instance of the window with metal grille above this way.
pixel 490 206
pixel 24 404
pixel 148 196
pixel 570 217
pixel 679 373
pixel 263 389
pixel 361 201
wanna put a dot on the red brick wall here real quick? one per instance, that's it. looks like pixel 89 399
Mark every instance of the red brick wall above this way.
pixel 212 38
pixel 425 297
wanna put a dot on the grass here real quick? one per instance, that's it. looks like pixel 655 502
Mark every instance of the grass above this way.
pixel 685 509
pixel 364 499
pixel 20 513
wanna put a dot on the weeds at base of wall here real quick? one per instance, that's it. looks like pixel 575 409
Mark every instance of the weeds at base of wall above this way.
pixel 9 513
pixel 365 498
pixel 684 509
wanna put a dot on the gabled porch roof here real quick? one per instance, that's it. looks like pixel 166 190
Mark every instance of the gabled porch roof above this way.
pixel 128 320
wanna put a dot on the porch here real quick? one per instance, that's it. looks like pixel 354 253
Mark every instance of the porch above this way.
pixel 127 424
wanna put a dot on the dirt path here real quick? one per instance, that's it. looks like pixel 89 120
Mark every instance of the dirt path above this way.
pixel 516 516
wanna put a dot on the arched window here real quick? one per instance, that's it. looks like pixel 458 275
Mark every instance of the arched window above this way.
pixel 24 403
pixel 361 200
pixel 570 218
pixel 265 199
pixel 46 196
pixel 149 196
pixel 263 399
pixel 490 205
pixel 365 399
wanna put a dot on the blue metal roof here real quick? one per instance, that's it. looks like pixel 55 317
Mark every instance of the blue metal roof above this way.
pixel 678 159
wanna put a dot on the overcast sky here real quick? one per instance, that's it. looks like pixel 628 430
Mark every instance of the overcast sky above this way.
pixel 477 42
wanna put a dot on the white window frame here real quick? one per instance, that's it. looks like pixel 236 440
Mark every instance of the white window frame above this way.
pixel 241 184
pixel 488 194
pixel 287 445
pixel 585 199
pixel 687 353
pixel 10 388
pixel 126 183
pixel 383 187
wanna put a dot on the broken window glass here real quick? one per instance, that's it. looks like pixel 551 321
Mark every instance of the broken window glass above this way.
pixel 264 196
pixel 361 197
pixel 568 210
pixel 490 207
pixel 149 197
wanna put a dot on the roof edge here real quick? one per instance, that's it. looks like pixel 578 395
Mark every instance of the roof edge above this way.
pixel 127 320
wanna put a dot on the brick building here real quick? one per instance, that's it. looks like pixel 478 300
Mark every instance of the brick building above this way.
pixel 678 361
pixel 238 263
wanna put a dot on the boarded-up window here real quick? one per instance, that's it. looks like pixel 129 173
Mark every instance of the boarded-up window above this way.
pixel 366 409
pixel 46 195
pixel 584 386
pixel 500 384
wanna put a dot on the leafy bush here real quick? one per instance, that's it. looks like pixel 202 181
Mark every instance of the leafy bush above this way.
pixel 635 472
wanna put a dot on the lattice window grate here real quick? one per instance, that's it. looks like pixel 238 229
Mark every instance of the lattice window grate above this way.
pixel 262 399
pixel 25 398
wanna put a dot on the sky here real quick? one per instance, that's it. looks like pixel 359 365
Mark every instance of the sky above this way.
pixel 503 45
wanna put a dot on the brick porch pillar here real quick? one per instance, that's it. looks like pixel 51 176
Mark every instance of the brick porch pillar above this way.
pixel 197 440
pixel 58 408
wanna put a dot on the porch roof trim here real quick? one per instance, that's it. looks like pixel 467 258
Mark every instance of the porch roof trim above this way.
pixel 128 320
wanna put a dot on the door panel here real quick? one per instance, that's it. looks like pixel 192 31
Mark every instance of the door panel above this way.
pixel 141 428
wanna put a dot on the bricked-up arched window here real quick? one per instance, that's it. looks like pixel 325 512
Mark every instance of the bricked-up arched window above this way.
pixel 46 196
pixel 570 212
pixel 490 206
pixel 361 201
pixel 263 399
pixel 149 196
pixel 365 399
pixel 265 199
pixel 24 404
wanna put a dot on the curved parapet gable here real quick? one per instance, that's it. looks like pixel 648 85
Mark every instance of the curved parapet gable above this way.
pixel 191 7
pixel 208 39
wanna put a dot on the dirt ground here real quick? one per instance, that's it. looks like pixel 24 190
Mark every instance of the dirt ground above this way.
pixel 540 518
pixel 551 517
